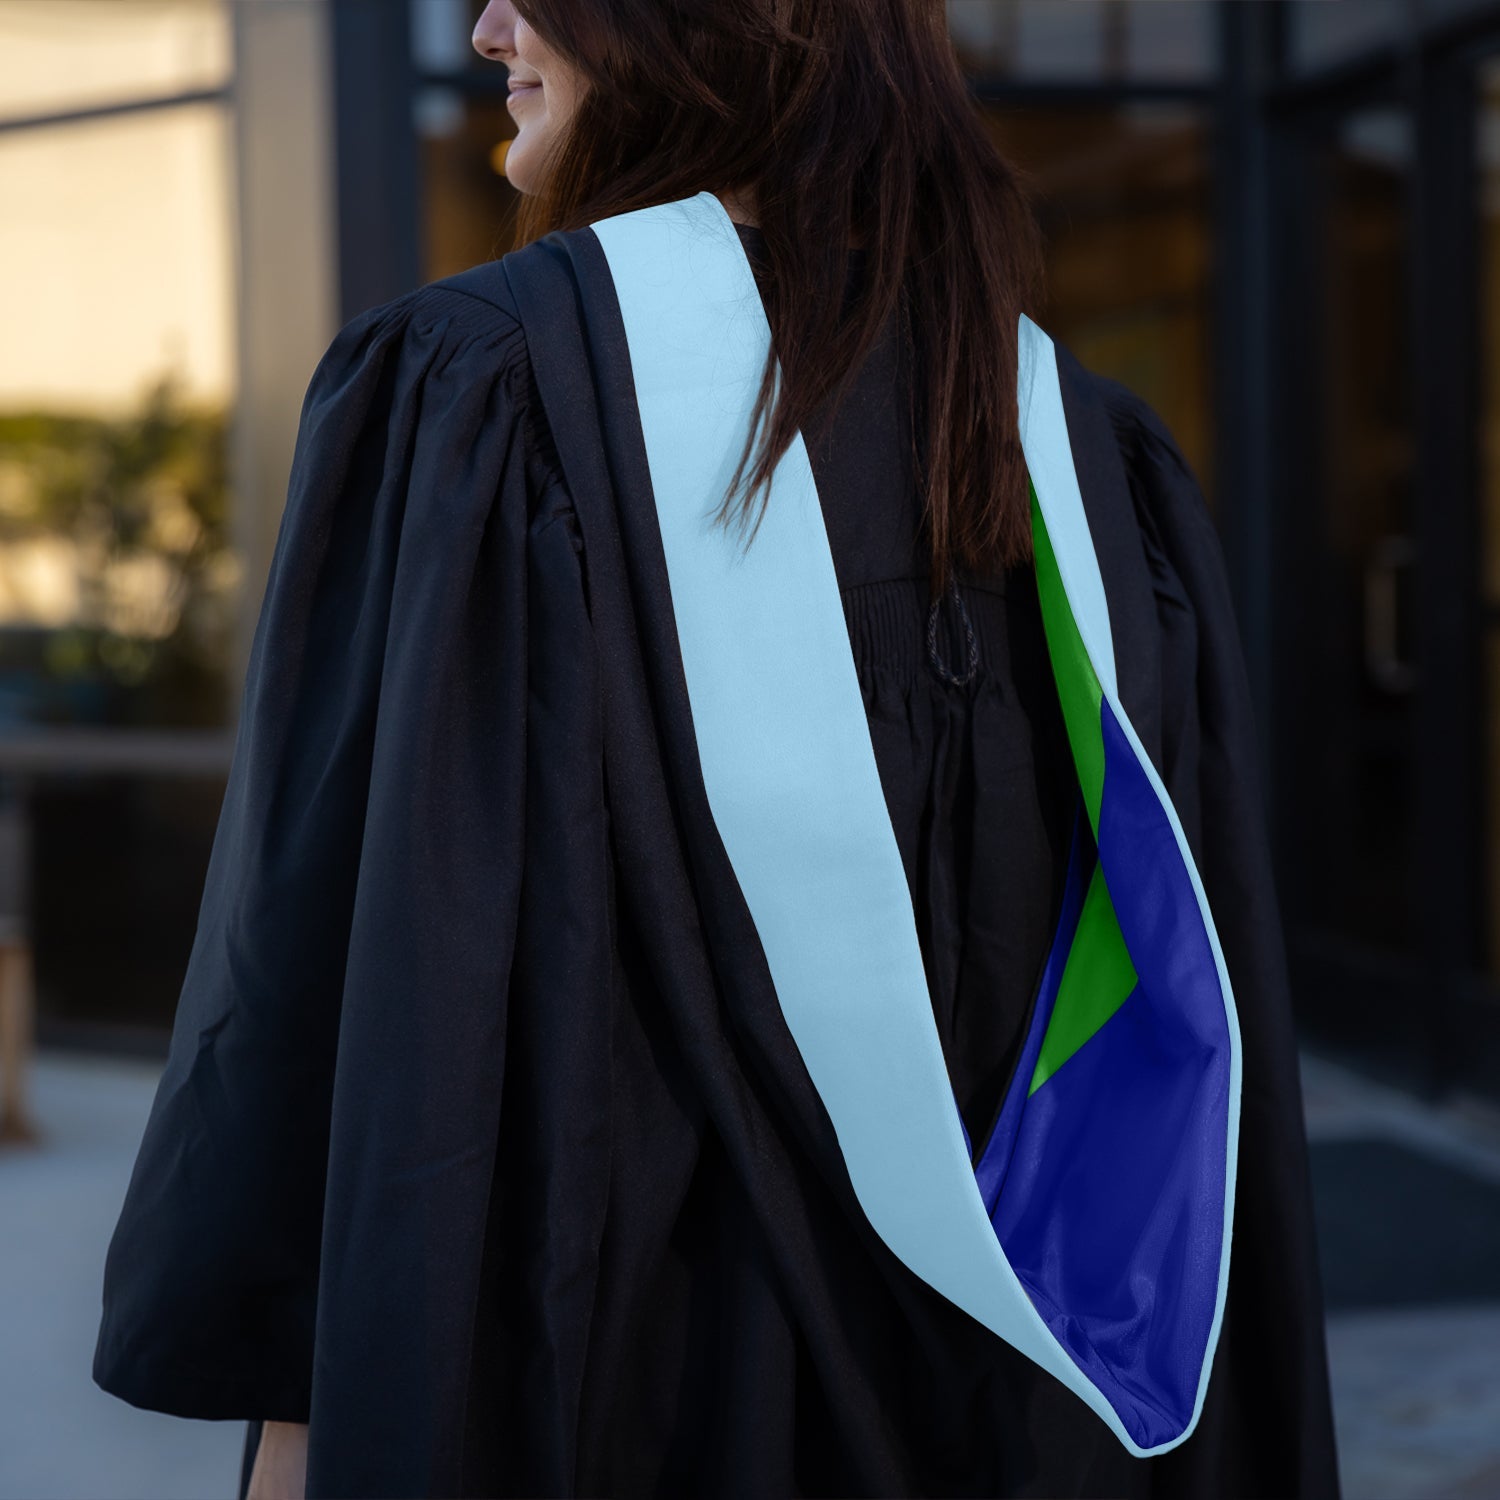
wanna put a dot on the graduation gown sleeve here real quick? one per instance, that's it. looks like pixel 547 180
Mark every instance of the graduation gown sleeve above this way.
pixel 1267 1426
pixel 303 1229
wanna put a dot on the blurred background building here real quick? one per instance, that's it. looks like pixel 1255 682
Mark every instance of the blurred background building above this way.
pixel 1276 221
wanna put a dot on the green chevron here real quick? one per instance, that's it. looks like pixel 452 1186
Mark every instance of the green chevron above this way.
pixel 1098 975
pixel 1078 687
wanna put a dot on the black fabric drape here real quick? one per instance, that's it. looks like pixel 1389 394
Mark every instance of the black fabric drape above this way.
pixel 309 1199
pixel 482 1144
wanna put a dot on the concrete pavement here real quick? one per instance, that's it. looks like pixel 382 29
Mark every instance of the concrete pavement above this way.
pixel 1417 1388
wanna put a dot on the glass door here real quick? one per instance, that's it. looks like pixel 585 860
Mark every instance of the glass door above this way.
pixel 1350 686
pixel 1388 565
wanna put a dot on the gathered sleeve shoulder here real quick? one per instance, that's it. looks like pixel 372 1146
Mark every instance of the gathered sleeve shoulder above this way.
pixel 360 903
pixel 1205 707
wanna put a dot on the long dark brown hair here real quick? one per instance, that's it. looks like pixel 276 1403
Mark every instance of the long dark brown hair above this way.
pixel 840 121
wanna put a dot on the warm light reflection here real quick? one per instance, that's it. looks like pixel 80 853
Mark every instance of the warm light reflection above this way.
pixel 40 581
pixel 118 576
pixel 1124 200
pixel 115 259
pixel 58 55
pixel 115 543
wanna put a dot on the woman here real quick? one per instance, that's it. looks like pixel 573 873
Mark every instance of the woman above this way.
pixel 494 1154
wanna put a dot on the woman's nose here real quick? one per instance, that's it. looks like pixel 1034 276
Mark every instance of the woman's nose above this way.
pixel 495 30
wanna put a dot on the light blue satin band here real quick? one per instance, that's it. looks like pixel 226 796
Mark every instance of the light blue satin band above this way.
pixel 1049 461
pixel 787 762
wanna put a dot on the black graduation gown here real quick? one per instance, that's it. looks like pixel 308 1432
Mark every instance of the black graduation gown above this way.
pixel 482 1143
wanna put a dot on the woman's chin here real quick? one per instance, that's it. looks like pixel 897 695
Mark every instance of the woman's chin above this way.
pixel 518 167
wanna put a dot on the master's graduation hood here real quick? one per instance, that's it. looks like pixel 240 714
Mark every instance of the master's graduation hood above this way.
pixel 671 272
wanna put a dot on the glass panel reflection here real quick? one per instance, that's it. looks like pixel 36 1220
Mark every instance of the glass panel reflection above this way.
pixel 1360 697
pixel 60 55
pixel 1163 41
pixel 1323 33
pixel 440 33
pixel 1123 196
pixel 470 205
pixel 118 582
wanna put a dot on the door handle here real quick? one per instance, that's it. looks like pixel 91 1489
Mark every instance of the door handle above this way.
pixel 1383 659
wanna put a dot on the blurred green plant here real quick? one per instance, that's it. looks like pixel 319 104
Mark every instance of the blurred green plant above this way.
pixel 118 581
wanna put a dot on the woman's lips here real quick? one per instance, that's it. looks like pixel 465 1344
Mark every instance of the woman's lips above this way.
pixel 519 89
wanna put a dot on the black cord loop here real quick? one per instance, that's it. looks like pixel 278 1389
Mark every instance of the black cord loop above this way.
pixel 938 665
